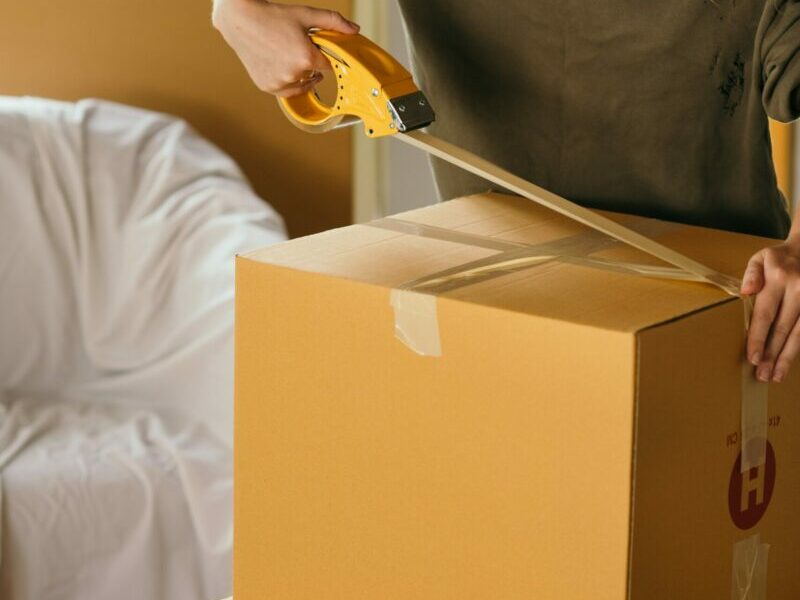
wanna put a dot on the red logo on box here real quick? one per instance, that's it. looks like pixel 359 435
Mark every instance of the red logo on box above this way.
pixel 749 493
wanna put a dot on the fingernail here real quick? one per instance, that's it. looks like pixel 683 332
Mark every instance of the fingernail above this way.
pixel 756 358
pixel 763 374
pixel 354 24
pixel 778 376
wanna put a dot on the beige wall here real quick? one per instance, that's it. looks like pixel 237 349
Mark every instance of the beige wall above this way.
pixel 786 159
pixel 164 55
pixel 389 176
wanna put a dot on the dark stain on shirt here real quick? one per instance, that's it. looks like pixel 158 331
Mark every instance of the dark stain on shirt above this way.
pixel 714 61
pixel 732 87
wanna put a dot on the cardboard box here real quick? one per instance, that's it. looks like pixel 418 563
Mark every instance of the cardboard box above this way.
pixel 577 437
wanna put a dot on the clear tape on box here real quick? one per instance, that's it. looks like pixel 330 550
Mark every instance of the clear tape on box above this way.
pixel 749 569
pixel 755 417
pixel 416 322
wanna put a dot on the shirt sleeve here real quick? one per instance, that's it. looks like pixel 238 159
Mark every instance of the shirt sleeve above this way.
pixel 780 59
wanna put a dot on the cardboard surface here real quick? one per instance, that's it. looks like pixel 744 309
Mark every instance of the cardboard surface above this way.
pixel 686 451
pixel 576 439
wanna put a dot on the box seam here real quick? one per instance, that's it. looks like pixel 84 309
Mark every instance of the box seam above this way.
pixel 686 314
pixel 634 439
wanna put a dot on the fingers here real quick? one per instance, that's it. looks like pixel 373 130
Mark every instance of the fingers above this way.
pixel 781 330
pixel 313 59
pixel 753 280
pixel 303 76
pixel 766 307
pixel 774 336
pixel 299 87
pixel 330 20
pixel 787 355
pixel 318 60
pixel 271 39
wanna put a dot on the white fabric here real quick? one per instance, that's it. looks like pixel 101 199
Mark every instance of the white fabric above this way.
pixel 104 503
pixel 118 229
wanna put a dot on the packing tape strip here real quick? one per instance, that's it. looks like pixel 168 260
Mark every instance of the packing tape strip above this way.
pixel 416 318
pixel 507 180
pixel 755 419
pixel 489 267
pixel 749 569
pixel 414 303
pixel 516 256
pixel 416 322
pixel 586 242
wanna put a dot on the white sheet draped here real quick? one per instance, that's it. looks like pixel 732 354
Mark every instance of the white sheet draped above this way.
pixel 118 229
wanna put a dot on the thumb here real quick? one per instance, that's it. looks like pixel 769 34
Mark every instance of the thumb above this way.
pixel 753 280
pixel 329 20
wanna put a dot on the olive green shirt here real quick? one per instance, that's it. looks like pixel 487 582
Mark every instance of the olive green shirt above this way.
pixel 652 108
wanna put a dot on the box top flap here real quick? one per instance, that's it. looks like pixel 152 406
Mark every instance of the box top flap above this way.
pixel 565 277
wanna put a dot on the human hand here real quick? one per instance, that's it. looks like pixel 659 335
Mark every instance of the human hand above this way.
pixel 272 41
pixel 773 342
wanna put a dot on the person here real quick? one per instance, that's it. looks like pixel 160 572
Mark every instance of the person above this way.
pixel 659 112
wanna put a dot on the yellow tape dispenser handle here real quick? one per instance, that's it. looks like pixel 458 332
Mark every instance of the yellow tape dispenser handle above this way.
pixel 371 87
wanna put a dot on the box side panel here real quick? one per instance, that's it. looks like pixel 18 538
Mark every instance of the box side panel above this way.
pixel 500 470
pixel 687 443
